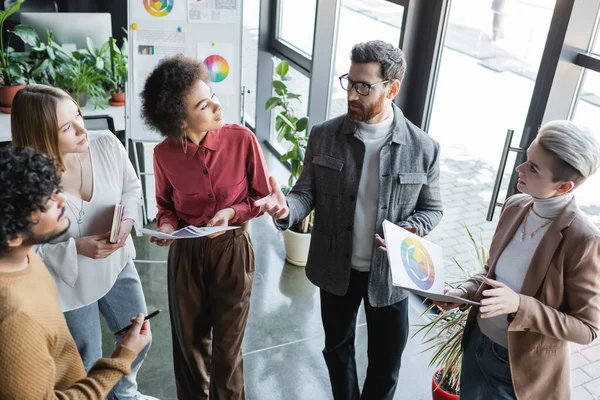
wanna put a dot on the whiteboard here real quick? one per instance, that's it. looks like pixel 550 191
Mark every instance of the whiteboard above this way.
pixel 208 30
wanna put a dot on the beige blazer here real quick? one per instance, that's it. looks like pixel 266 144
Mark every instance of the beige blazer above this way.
pixel 560 299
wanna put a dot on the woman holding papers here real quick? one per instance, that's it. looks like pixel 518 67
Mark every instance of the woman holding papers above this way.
pixel 92 275
pixel 208 173
pixel 541 287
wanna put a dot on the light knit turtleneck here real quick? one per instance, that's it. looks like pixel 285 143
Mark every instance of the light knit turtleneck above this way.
pixel 513 263
pixel 374 136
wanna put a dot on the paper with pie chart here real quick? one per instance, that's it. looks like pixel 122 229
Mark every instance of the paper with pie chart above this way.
pixel 159 10
pixel 218 57
pixel 417 265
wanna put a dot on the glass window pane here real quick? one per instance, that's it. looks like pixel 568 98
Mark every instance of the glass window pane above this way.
pixel 299 84
pixel 296 24
pixel 586 112
pixel 250 57
pixel 381 20
pixel 490 60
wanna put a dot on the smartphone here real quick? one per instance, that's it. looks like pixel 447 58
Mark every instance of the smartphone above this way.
pixel 154 314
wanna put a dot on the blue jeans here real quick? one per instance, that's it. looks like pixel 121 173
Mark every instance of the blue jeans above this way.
pixel 122 302
pixel 485 371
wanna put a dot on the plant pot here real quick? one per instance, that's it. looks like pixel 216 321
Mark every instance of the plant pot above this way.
pixel 117 99
pixel 82 99
pixel 7 95
pixel 437 393
pixel 296 247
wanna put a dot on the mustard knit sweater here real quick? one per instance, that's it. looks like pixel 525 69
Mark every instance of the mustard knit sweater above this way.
pixel 38 357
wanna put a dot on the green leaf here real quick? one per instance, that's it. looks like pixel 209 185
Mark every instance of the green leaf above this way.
pixel 295 167
pixel 294 96
pixel 27 34
pixel 302 124
pixel 301 153
pixel 51 53
pixel 286 120
pixel 272 103
pixel 278 85
pixel 90 46
pixel 278 124
pixel 40 69
pixel 10 10
pixel 283 68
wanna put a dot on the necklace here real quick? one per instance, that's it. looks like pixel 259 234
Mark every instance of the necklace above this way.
pixel 524 231
pixel 80 213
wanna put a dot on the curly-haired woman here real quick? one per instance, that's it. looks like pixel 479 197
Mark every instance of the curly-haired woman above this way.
pixel 208 173
pixel 92 275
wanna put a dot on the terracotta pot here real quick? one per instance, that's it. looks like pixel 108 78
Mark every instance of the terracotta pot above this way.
pixel 7 94
pixel 296 247
pixel 437 393
pixel 117 99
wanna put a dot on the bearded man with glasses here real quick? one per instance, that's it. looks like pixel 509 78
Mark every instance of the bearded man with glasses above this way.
pixel 360 169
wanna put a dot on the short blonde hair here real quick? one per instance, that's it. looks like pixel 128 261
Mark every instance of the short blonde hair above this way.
pixel 575 147
pixel 34 122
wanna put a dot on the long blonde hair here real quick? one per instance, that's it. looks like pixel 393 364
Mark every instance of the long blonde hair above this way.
pixel 34 122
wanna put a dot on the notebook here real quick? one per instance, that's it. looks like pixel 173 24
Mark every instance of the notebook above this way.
pixel 116 223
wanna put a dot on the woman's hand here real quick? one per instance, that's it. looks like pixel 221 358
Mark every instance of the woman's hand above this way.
pixel 166 228
pixel 125 230
pixel 499 301
pixel 444 305
pixel 96 246
pixel 221 218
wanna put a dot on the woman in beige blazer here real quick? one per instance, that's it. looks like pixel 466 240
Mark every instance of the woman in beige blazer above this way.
pixel 541 287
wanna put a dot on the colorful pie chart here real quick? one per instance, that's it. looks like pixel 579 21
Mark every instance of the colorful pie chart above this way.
pixel 417 263
pixel 218 68
pixel 158 8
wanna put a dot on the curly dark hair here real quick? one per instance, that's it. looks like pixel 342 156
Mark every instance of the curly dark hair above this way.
pixel 27 179
pixel 163 98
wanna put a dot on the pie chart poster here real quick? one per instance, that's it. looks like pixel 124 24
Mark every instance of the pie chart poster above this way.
pixel 415 263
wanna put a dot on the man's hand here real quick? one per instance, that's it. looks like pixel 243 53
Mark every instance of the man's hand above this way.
pixel 274 204
pixel 166 228
pixel 96 246
pixel 451 292
pixel 499 301
pixel 381 242
pixel 221 218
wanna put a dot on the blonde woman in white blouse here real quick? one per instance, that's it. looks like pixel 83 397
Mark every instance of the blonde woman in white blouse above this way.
pixel 92 275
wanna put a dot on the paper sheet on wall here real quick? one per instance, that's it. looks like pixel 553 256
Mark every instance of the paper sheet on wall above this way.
pixel 215 11
pixel 151 47
pixel 219 60
pixel 416 264
pixel 157 10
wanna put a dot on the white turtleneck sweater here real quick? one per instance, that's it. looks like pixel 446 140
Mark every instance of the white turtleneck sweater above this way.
pixel 374 136
pixel 513 263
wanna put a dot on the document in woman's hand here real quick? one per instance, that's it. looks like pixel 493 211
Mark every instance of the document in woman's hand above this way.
pixel 187 232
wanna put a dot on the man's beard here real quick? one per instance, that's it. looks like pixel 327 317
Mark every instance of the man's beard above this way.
pixel 365 114
pixel 34 239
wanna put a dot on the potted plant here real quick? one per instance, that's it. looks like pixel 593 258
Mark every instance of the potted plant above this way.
pixel 45 59
pixel 117 72
pixel 84 83
pixel 443 333
pixel 12 64
pixel 294 130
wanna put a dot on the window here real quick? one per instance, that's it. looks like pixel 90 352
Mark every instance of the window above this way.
pixel 250 57
pixel 381 20
pixel 296 24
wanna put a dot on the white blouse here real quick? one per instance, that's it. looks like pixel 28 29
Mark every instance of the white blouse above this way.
pixel 81 280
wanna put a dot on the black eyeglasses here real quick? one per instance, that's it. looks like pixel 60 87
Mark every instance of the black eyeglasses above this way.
pixel 361 88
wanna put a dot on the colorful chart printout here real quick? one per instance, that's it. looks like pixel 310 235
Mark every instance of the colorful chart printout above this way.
pixel 158 8
pixel 218 68
pixel 417 263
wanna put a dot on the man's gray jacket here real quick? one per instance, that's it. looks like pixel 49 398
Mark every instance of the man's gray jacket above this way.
pixel 409 194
